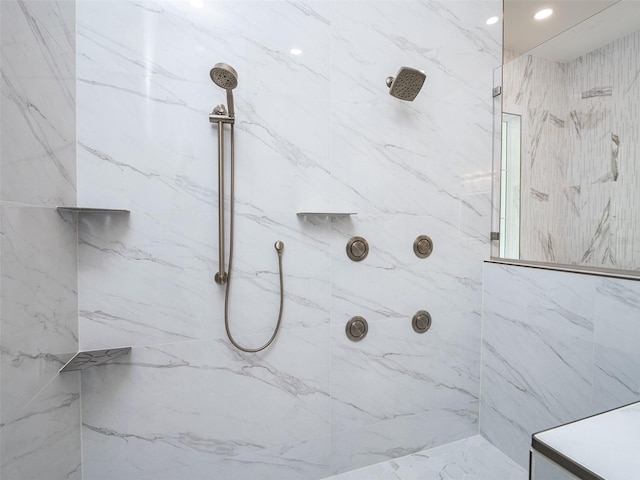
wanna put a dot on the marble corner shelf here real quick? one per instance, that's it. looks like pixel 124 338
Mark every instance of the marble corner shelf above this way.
pixel 91 210
pixel 90 358
pixel 326 214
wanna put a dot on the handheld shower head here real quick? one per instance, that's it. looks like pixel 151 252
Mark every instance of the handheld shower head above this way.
pixel 226 77
pixel 407 83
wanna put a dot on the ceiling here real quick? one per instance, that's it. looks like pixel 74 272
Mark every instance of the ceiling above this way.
pixel 522 33
pixel 615 22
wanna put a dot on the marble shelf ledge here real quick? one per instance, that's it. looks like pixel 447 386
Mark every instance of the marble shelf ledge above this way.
pixel 325 214
pixel 90 358
pixel 91 210
pixel 604 446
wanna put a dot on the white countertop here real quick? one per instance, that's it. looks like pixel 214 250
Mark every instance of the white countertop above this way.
pixel 607 444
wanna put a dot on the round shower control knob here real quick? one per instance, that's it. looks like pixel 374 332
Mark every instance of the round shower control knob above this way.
pixel 356 328
pixel 421 321
pixel 423 246
pixel 357 249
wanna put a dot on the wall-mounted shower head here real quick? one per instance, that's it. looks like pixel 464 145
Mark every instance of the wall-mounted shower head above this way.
pixel 225 77
pixel 406 84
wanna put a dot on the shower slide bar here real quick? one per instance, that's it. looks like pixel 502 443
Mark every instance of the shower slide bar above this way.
pixel 219 116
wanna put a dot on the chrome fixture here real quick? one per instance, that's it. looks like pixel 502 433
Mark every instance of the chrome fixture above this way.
pixel 356 329
pixel 421 321
pixel 226 77
pixel 423 246
pixel 357 249
pixel 406 84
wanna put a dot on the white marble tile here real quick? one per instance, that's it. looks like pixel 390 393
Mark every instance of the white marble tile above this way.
pixel 308 460
pixel 578 189
pixel 38 148
pixel 389 376
pixel 394 372
pixel 188 41
pixel 255 292
pixel 42 440
pixel 603 98
pixel 547 299
pixel 38 103
pixel 473 458
pixel 38 39
pixel 528 384
pixel 475 215
pixel 394 170
pixel 537 353
pixel 169 91
pixel 397 37
pixel 39 301
pixel 281 161
pixel 616 340
pixel 402 436
pixel 470 458
pixel 377 139
pixel 145 145
pixel 171 259
pixel 211 406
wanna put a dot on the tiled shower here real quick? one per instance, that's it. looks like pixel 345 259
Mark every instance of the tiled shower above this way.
pixel 314 132
pixel 105 104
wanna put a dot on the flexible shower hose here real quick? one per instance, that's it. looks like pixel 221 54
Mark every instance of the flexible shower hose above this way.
pixel 279 248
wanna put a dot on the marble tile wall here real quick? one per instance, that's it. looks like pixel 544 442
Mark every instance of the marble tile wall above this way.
pixel 536 89
pixel 557 346
pixel 39 409
pixel 603 183
pixel 316 131
pixel 580 139
pixel 38 103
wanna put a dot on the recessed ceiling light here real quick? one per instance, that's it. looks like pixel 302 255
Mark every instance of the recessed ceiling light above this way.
pixel 492 20
pixel 295 51
pixel 544 13
pixel 197 3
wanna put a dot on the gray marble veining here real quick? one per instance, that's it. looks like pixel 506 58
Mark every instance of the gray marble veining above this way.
pixel 557 346
pixel 596 96
pixel 38 103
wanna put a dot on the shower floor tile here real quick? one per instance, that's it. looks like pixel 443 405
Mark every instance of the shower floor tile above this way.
pixel 473 458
